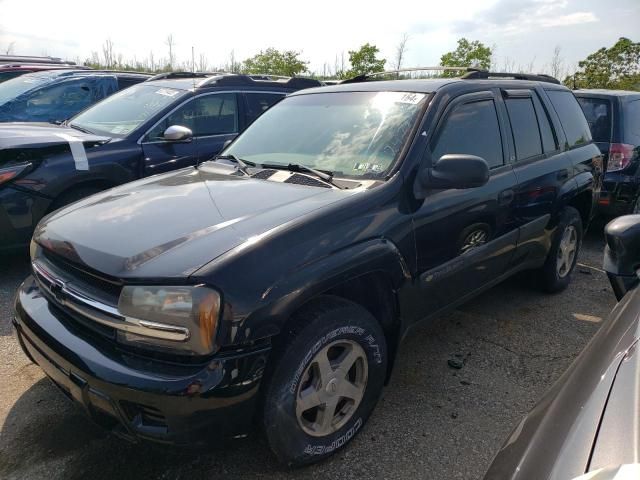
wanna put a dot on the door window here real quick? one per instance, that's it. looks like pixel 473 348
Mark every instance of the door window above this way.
pixel 573 121
pixel 472 129
pixel 524 126
pixel 259 102
pixel 215 114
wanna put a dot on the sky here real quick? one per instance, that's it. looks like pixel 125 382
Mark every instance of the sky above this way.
pixel 523 32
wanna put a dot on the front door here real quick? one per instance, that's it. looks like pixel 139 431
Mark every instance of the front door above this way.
pixel 213 119
pixel 465 238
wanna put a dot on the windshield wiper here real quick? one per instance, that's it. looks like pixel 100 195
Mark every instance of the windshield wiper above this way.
pixel 242 164
pixel 76 127
pixel 324 175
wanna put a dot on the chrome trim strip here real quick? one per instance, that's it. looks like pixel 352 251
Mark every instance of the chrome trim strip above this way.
pixel 102 313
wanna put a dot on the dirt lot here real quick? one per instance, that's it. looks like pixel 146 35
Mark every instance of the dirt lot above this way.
pixel 432 422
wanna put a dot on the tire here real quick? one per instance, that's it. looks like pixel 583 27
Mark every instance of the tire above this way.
pixel 331 328
pixel 71 196
pixel 553 278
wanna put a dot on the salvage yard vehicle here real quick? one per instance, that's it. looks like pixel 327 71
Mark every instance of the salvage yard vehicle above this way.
pixel 614 119
pixel 13 70
pixel 274 284
pixel 56 95
pixel 588 421
pixel 172 121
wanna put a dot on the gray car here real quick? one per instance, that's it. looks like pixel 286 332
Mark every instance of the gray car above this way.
pixel 588 424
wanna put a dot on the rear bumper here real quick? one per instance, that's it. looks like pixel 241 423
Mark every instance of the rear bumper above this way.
pixel 618 194
pixel 140 398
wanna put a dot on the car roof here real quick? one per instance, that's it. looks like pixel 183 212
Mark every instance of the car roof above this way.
pixel 57 73
pixel 235 81
pixel 427 85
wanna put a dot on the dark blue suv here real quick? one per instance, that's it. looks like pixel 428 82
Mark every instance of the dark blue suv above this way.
pixel 614 120
pixel 55 95
pixel 156 126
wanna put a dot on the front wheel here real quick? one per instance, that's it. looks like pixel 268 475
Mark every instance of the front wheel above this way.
pixel 555 275
pixel 328 376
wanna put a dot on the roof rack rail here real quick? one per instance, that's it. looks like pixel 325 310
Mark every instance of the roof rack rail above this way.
pixel 232 79
pixel 31 59
pixel 365 77
pixel 485 75
pixel 176 75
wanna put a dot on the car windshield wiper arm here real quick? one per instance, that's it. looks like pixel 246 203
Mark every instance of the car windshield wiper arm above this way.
pixel 325 176
pixel 242 164
pixel 76 127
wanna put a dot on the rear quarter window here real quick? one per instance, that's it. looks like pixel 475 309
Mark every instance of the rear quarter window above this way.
pixel 632 122
pixel 598 114
pixel 573 121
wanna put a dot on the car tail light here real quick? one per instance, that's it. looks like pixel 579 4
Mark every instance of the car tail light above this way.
pixel 9 173
pixel 619 156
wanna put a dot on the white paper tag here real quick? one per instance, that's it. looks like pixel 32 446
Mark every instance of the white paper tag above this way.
pixel 77 151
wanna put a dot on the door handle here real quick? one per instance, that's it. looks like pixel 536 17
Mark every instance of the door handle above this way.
pixel 506 197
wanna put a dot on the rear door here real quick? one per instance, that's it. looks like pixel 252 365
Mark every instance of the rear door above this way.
pixel 543 168
pixel 599 113
pixel 213 119
pixel 465 238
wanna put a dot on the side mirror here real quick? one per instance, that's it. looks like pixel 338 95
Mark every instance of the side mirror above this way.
pixel 177 133
pixel 622 253
pixel 455 171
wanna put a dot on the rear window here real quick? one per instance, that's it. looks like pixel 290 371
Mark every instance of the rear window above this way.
pixel 573 121
pixel 632 122
pixel 598 113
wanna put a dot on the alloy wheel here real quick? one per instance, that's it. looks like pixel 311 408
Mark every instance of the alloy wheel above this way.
pixel 331 388
pixel 567 251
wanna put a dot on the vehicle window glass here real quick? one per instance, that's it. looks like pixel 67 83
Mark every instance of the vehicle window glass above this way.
pixel 67 94
pixel 524 126
pixel 349 133
pixel 12 74
pixel 19 85
pixel 207 115
pixel 549 140
pixel 632 122
pixel 573 121
pixel 473 129
pixel 598 114
pixel 257 103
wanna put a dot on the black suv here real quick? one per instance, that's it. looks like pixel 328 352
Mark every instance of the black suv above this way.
pixel 614 119
pixel 169 122
pixel 275 284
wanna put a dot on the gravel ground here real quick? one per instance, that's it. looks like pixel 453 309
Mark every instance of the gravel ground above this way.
pixel 432 422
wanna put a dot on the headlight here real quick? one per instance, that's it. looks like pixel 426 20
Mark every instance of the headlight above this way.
pixel 174 318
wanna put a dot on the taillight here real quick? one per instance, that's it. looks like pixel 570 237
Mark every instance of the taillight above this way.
pixel 9 173
pixel 619 156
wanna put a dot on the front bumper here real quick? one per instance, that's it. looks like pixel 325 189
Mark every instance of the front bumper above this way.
pixel 135 397
pixel 20 212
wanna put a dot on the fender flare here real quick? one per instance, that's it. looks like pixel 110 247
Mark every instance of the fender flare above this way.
pixel 293 290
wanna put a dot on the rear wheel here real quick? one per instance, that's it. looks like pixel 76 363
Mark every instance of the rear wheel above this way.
pixel 555 275
pixel 328 375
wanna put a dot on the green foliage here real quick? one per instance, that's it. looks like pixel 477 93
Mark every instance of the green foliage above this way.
pixel 467 54
pixel 617 67
pixel 364 61
pixel 275 62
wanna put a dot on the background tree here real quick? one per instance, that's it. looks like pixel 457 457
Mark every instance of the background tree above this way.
pixel 556 66
pixel 617 67
pixel 275 62
pixel 364 61
pixel 172 56
pixel 467 54
pixel 401 50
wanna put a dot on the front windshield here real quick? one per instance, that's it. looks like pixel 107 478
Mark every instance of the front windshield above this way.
pixel 123 112
pixel 14 87
pixel 348 133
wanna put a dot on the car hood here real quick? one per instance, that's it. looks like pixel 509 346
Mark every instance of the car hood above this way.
pixel 28 135
pixel 167 226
